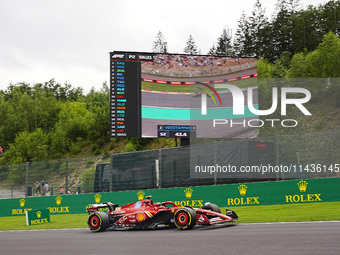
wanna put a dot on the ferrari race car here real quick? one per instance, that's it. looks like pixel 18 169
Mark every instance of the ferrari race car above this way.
pixel 145 214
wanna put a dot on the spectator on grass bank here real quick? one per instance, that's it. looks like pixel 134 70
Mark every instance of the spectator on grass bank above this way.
pixel 46 189
pixel 37 188
pixel 43 187
pixel 1 151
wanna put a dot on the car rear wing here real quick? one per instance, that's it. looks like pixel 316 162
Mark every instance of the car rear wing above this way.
pixel 105 206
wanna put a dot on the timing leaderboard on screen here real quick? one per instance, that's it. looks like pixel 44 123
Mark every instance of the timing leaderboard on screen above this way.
pixel 125 93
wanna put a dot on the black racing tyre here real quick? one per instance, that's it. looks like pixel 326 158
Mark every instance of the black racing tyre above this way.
pixel 98 221
pixel 211 207
pixel 185 218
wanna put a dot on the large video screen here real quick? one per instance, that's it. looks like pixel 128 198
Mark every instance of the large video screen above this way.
pixel 178 95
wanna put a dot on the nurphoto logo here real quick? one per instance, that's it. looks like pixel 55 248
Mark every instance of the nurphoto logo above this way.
pixel 238 107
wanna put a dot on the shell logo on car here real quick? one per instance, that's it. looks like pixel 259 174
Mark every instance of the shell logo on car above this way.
pixel 140 217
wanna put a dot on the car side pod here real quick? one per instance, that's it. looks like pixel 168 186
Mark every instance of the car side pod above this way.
pixel 185 218
pixel 98 221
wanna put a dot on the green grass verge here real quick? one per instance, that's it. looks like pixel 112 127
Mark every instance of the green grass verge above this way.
pixel 58 221
pixel 326 211
pixel 186 88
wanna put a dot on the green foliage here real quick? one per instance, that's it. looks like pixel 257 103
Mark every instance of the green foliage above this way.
pixel 24 109
pixel 98 104
pixel 97 152
pixel 223 46
pixel 75 120
pixel 160 45
pixel 75 149
pixel 322 63
pixel 291 29
pixel 87 180
pixel 263 68
pixel 28 147
pixel 113 143
pixel 59 143
pixel 62 113
pixel 131 146
pixel 191 47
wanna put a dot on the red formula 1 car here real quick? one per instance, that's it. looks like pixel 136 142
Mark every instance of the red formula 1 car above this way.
pixel 145 214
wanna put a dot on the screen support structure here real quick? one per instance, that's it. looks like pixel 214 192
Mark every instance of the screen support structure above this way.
pixel 185 141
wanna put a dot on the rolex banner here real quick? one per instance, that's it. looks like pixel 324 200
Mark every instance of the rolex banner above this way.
pixel 229 195
pixel 35 217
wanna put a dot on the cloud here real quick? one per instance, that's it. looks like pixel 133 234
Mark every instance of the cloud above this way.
pixel 70 40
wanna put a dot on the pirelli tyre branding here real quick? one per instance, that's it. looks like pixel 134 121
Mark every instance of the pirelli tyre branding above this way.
pixel 303 196
pixel 22 210
pixel 188 192
pixel 243 199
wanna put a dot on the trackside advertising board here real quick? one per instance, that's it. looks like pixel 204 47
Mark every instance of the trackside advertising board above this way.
pixel 36 217
pixel 246 194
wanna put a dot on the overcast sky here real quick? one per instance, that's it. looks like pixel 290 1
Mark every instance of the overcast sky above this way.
pixel 69 40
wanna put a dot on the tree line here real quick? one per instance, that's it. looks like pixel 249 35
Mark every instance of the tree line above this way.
pixel 318 71
pixel 45 120
pixel 51 120
pixel 289 30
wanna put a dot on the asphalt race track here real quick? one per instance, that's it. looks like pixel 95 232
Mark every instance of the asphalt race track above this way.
pixel 186 101
pixel 276 238
pixel 165 109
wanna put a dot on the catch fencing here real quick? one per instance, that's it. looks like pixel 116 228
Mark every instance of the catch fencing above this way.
pixel 284 157
pixel 63 176
pixel 306 156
